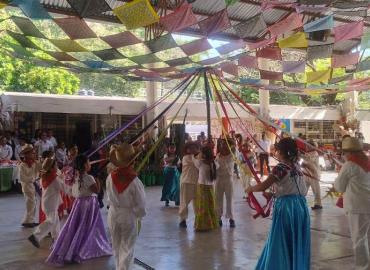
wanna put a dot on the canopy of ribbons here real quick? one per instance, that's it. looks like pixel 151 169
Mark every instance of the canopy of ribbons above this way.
pixel 275 46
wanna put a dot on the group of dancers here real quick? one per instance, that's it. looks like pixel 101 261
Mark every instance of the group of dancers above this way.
pixel 203 176
pixel 83 235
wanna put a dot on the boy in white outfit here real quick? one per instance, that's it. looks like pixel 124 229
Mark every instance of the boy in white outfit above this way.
pixel 29 171
pixel 52 185
pixel 312 167
pixel 224 183
pixel 354 181
pixel 188 181
pixel 126 198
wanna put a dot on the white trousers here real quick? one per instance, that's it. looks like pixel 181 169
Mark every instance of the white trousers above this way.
pixel 224 187
pixel 29 193
pixel 245 176
pixel 51 224
pixel 123 240
pixel 359 225
pixel 315 185
pixel 188 193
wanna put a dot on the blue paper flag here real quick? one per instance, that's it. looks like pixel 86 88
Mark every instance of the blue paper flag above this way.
pixel 32 9
pixel 320 24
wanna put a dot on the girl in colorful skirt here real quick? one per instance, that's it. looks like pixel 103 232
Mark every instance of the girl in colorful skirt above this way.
pixel 205 214
pixel 83 235
pixel 171 186
pixel 288 243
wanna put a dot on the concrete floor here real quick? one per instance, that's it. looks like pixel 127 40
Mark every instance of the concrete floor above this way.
pixel 163 245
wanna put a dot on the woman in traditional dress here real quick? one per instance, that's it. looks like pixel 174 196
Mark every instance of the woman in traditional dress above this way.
pixel 171 186
pixel 83 236
pixel 288 243
pixel 205 213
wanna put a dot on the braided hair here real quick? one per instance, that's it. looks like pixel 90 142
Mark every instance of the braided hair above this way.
pixel 79 166
pixel 209 159
pixel 288 149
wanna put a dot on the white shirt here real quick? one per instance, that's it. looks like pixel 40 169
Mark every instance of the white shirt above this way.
pixel 84 190
pixel 17 152
pixel 312 158
pixel 61 155
pixel 53 141
pixel 189 172
pixel 27 174
pixel 6 152
pixel 265 145
pixel 43 146
pixel 226 169
pixel 129 203
pixel 355 183
pixel 204 172
pixel 51 198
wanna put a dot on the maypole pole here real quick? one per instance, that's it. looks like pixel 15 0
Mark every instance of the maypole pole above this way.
pixel 208 92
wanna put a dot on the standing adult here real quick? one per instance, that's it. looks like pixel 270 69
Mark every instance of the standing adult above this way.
pixel 6 151
pixel 43 144
pixel 264 153
pixel 354 181
pixel 52 139
pixel 312 167
pixel 288 243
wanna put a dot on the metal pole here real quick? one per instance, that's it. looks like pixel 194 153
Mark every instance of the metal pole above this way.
pixel 207 90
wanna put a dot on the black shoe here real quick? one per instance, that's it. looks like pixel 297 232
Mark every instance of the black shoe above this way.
pixel 232 223
pixel 220 222
pixel 167 203
pixel 182 224
pixel 28 225
pixel 316 207
pixel 35 224
pixel 33 240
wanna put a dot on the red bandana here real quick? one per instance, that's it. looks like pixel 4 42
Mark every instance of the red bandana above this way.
pixel 363 163
pixel 29 162
pixel 122 178
pixel 48 178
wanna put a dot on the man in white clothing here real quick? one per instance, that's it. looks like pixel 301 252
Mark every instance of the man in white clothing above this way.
pixel 224 182
pixel 264 153
pixel 52 139
pixel 126 198
pixel 6 151
pixel 354 181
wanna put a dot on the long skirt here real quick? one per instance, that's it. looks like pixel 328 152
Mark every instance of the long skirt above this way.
pixel 83 235
pixel 205 214
pixel 171 186
pixel 288 246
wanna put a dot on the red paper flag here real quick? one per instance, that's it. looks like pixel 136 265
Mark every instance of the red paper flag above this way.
pixel 270 75
pixel 216 23
pixel 196 46
pixel 293 21
pixel 181 18
pixel 261 44
pixel 345 60
pixel 270 53
pixel 348 31
pixel 248 61
pixel 230 68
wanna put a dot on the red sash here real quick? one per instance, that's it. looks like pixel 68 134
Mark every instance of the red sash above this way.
pixel 48 178
pixel 363 163
pixel 122 178
pixel 29 162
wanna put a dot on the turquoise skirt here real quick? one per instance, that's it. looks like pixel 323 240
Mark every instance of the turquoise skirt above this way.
pixel 288 246
pixel 171 185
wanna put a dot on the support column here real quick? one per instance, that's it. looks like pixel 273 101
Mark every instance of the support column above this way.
pixel 151 97
pixel 351 104
pixel 264 98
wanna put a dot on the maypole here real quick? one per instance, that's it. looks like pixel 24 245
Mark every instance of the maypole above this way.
pixel 208 92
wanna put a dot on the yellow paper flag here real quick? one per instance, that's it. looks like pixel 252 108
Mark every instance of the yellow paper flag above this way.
pixel 298 40
pixel 318 76
pixel 314 92
pixel 137 13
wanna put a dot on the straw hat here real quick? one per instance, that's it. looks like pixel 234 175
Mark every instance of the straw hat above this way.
pixel 47 165
pixel 121 155
pixel 351 144
pixel 26 148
